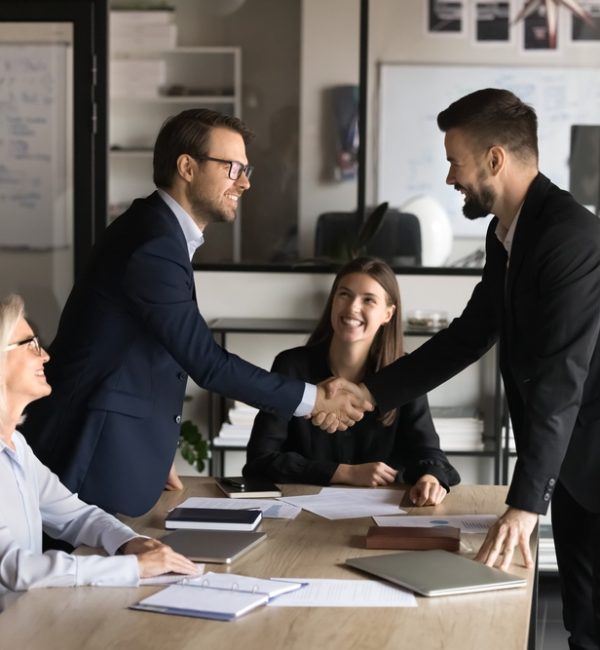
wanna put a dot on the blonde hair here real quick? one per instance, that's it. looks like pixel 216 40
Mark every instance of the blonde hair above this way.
pixel 12 309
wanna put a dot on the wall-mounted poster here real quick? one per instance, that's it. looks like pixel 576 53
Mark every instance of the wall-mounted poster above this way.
pixel 491 21
pixel 536 32
pixel 445 16
pixel 587 30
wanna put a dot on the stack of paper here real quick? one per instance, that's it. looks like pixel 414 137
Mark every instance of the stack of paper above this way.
pixel 137 77
pixel 142 30
pixel 237 431
pixel 458 429
pixel 546 550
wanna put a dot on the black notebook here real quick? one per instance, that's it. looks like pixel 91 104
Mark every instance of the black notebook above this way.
pixel 213 519
pixel 238 487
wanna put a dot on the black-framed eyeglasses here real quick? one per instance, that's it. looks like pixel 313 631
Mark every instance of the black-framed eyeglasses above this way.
pixel 32 343
pixel 236 168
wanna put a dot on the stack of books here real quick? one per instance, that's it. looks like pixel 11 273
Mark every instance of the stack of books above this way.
pixel 237 431
pixel 137 77
pixel 459 429
pixel 149 29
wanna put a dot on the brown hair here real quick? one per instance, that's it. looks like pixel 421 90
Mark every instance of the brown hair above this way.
pixel 494 116
pixel 388 343
pixel 188 133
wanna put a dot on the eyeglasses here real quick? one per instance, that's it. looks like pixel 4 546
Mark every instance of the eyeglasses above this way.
pixel 236 168
pixel 32 343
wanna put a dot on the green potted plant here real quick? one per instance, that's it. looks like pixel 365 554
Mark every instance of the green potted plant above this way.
pixel 192 444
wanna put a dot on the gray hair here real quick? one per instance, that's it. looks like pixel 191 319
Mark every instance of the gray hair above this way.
pixel 12 309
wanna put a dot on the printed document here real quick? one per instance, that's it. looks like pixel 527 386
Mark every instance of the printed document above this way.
pixel 466 523
pixel 270 508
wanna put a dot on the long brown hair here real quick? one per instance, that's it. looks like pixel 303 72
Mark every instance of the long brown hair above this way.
pixel 388 344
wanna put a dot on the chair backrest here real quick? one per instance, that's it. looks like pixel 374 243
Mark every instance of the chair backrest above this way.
pixel 398 241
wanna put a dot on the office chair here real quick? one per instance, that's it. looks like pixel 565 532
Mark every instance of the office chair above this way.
pixel 398 241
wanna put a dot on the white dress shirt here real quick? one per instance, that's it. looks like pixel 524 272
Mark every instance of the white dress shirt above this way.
pixel 195 238
pixel 32 498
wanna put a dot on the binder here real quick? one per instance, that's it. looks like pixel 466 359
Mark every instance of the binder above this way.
pixel 219 596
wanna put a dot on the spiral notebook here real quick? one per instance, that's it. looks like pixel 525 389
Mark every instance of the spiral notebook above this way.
pixel 219 596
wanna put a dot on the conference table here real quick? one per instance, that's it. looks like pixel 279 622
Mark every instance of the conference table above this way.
pixel 97 618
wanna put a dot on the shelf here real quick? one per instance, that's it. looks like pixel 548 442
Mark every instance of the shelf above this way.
pixel 172 51
pixel 177 99
pixel 131 153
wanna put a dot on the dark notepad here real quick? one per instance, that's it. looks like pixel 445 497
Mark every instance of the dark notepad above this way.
pixel 213 519
pixel 238 487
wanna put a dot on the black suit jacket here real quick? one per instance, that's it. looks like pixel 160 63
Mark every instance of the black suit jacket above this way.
pixel 298 452
pixel 128 337
pixel 545 311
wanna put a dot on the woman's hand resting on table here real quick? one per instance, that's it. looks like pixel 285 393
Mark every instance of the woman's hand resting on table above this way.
pixel 155 558
pixel 427 491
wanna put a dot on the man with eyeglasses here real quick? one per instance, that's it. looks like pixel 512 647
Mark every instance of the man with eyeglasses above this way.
pixel 131 332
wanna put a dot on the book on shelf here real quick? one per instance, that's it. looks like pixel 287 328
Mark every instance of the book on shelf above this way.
pixel 459 428
pixel 213 519
pixel 142 30
pixel 220 596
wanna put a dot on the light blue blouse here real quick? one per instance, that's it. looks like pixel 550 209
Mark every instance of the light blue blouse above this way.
pixel 32 498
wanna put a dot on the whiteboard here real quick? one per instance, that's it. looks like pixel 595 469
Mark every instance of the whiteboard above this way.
pixel 35 199
pixel 411 159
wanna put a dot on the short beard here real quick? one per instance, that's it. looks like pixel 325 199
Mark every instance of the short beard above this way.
pixel 479 205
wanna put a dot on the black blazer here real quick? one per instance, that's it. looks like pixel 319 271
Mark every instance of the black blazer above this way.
pixel 297 452
pixel 128 337
pixel 545 311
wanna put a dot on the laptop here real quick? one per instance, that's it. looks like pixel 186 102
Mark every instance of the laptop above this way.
pixel 218 546
pixel 436 573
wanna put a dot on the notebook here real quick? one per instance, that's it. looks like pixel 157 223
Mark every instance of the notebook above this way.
pixel 221 596
pixel 213 519
pixel 219 546
pixel 435 573
pixel 240 487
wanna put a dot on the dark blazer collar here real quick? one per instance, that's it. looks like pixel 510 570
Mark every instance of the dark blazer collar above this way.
pixel 528 226
pixel 159 206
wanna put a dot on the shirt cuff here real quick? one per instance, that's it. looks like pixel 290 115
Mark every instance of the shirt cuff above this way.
pixel 308 401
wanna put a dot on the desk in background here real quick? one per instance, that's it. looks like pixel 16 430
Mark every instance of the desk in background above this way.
pixel 95 618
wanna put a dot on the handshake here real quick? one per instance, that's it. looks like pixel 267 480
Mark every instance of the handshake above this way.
pixel 340 404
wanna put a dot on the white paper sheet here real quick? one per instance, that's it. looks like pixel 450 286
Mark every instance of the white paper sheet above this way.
pixel 350 503
pixel 271 508
pixel 319 592
pixel 466 523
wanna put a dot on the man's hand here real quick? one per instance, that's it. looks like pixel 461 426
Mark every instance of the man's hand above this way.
pixel 155 558
pixel 365 474
pixel 340 404
pixel 427 491
pixel 173 480
pixel 513 529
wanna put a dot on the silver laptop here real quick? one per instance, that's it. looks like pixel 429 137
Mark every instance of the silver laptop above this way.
pixel 436 573
pixel 219 546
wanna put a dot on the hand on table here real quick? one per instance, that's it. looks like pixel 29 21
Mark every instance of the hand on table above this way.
pixel 155 558
pixel 173 480
pixel 340 404
pixel 365 474
pixel 512 529
pixel 427 491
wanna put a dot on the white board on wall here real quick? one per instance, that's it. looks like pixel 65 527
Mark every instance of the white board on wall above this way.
pixel 411 158
pixel 34 174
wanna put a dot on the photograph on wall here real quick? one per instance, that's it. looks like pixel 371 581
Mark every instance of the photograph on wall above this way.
pixel 536 31
pixel 445 16
pixel 492 21
pixel 588 28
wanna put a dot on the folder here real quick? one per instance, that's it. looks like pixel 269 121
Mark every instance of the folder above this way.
pixel 220 596
pixel 238 487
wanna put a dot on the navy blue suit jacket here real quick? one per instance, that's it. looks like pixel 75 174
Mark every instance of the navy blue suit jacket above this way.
pixel 545 312
pixel 129 335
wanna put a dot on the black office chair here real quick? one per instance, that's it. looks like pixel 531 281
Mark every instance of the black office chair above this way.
pixel 398 240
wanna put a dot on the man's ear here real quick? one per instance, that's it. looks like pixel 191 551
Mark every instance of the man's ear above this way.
pixel 185 167
pixel 496 159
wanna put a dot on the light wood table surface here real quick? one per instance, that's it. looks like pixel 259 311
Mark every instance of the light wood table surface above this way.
pixel 94 618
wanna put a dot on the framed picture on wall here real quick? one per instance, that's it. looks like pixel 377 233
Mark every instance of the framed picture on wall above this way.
pixel 587 31
pixel 445 16
pixel 492 21
pixel 536 33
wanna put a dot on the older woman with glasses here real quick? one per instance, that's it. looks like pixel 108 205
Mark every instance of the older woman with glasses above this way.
pixel 32 498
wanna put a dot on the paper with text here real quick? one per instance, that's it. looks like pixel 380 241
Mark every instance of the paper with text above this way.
pixel 466 523
pixel 270 508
